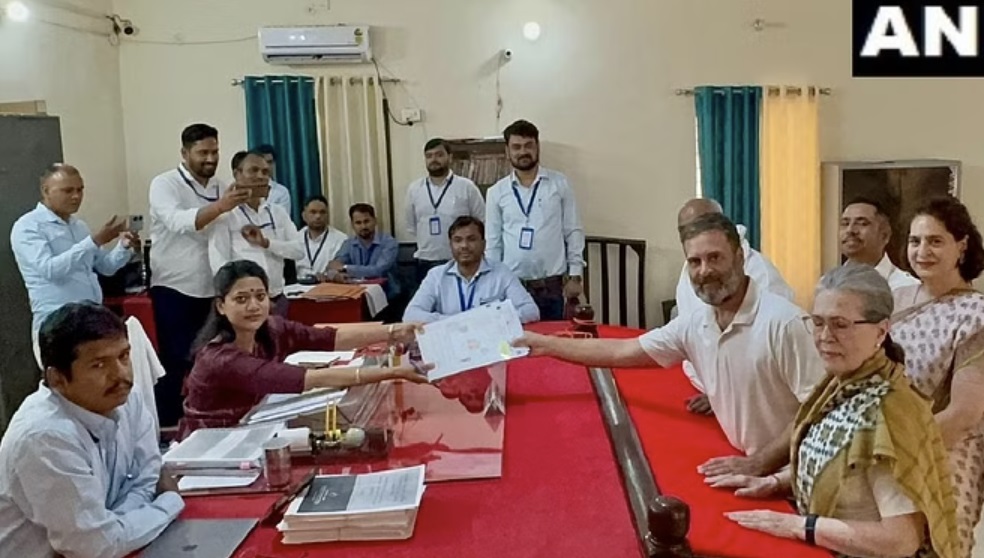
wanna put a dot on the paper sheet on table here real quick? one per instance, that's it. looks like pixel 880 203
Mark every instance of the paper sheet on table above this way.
pixel 465 341
pixel 375 299
pixel 189 483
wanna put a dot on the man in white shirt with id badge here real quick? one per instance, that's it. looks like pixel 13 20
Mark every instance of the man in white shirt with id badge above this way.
pixel 183 203
pixel 258 230
pixel 320 240
pixel 434 202
pixel 533 227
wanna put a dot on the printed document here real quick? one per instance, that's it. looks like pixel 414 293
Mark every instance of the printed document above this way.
pixel 465 341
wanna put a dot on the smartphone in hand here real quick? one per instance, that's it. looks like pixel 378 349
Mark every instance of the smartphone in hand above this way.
pixel 134 223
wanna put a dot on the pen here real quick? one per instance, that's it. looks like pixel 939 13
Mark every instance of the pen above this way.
pixel 276 511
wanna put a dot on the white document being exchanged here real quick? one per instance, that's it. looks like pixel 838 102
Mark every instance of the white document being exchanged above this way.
pixel 478 337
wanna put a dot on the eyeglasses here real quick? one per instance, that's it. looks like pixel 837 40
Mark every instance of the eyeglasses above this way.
pixel 836 325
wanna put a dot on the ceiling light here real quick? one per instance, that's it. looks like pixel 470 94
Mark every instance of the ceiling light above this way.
pixel 531 31
pixel 17 11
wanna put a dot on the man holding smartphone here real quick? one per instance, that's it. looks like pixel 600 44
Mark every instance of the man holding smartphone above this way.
pixel 56 253
pixel 184 202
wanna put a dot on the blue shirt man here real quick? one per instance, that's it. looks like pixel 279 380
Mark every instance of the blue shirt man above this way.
pixel 80 466
pixel 470 280
pixel 57 255
pixel 370 254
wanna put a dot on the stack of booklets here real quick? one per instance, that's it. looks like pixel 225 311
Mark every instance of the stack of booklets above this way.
pixel 221 451
pixel 372 506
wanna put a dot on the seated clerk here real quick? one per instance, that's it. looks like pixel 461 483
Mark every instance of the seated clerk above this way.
pixel 370 254
pixel 241 349
pixel 469 280
pixel 320 241
pixel 80 465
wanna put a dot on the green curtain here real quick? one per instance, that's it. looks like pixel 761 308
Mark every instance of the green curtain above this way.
pixel 280 111
pixel 728 142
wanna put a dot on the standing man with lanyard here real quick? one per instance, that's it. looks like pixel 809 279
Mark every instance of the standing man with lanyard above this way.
pixel 533 226
pixel 183 202
pixel 434 202
pixel 320 240
pixel 258 230
pixel 279 194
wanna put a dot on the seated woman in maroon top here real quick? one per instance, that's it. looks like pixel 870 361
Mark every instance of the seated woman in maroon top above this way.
pixel 241 349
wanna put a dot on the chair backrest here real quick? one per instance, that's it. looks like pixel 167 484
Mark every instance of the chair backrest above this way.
pixel 600 275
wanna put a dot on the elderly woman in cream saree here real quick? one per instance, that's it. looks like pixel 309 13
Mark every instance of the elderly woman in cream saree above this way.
pixel 868 467
pixel 940 325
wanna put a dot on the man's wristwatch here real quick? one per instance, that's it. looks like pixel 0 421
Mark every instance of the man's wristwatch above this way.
pixel 811 530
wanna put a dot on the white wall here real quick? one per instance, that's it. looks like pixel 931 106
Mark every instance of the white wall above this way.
pixel 78 75
pixel 599 84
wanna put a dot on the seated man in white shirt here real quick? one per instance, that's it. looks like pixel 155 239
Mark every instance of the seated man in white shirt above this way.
pixel 80 466
pixel 757 267
pixel 321 241
pixel 257 230
pixel 470 280
pixel 751 349
pixel 865 232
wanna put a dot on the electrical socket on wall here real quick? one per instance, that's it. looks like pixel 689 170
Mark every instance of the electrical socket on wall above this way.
pixel 412 115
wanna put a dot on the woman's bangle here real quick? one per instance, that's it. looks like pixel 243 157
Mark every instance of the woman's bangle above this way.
pixel 389 332
pixel 358 376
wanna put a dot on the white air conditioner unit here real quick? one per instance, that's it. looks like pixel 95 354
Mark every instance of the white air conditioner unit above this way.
pixel 337 44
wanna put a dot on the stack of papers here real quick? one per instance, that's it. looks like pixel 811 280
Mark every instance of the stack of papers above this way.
pixel 373 506
pixel 280 407
pixel 220 451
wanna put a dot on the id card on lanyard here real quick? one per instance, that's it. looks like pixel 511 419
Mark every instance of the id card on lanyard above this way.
pixel 526 233
pixel 191 185
pixel 365 256
pixel 435 220
pixel 272 224
pixel 467 305
pixel 307 247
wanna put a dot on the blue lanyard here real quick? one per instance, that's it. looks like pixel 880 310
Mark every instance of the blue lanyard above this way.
pixel 271 224
pixel 365 256
pixel 307 246
pixel 526 210
pixel 471 293
pixel 430 194
pixel 195 190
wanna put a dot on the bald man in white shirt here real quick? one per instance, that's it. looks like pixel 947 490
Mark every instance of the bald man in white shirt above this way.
pixel 757 266
pixel 751 349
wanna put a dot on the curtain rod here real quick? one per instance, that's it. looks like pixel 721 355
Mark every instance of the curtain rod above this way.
pixel 770 89
pixel 333 80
